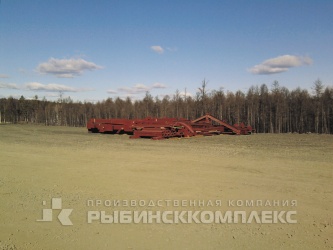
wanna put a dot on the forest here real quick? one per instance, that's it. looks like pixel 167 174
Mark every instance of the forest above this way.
pixel 268 110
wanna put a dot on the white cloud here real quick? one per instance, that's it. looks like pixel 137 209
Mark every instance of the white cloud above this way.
pixel 140 88
pixel 4 76
pixel 48 87
pixel 111 91
pixel 66 68
pixel 126 89
pixel 36 86
pixel 280 64
pixel 183 94
pixel 8 86
pixel 52 87
pixel 158 49
pixel 158 85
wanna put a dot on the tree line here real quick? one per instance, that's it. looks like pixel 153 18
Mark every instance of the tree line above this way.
pixel 267 110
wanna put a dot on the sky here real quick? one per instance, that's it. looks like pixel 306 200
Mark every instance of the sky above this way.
pixel 93 50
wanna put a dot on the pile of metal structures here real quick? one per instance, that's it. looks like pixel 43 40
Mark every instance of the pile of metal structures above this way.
pixel 163 128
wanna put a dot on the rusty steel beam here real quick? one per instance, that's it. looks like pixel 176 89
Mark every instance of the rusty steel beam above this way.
pixel 208 119
pixel 162 128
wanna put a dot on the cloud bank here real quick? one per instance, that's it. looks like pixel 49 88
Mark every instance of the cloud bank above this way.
pixel 280 64
pixel 66 68
pixel 52 87
pixel 111 91
pixel 137 88
pixel 48 87
pixel 9 86
pixel 158 85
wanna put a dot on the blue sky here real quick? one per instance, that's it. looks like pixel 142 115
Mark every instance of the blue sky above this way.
pixel 92 50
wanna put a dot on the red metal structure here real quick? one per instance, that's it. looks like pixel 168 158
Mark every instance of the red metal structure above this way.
pixel 210 124
pixel 163 128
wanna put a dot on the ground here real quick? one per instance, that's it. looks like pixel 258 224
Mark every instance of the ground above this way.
pixel 39 163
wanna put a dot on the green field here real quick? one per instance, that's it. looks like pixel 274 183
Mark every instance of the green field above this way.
pixel 38 163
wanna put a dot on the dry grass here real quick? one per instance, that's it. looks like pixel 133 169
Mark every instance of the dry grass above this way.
pixel 38 163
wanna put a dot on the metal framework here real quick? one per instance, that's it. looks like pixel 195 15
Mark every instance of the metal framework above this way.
pixel 163 128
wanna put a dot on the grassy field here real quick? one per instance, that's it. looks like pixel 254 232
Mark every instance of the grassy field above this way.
pixel 38 163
